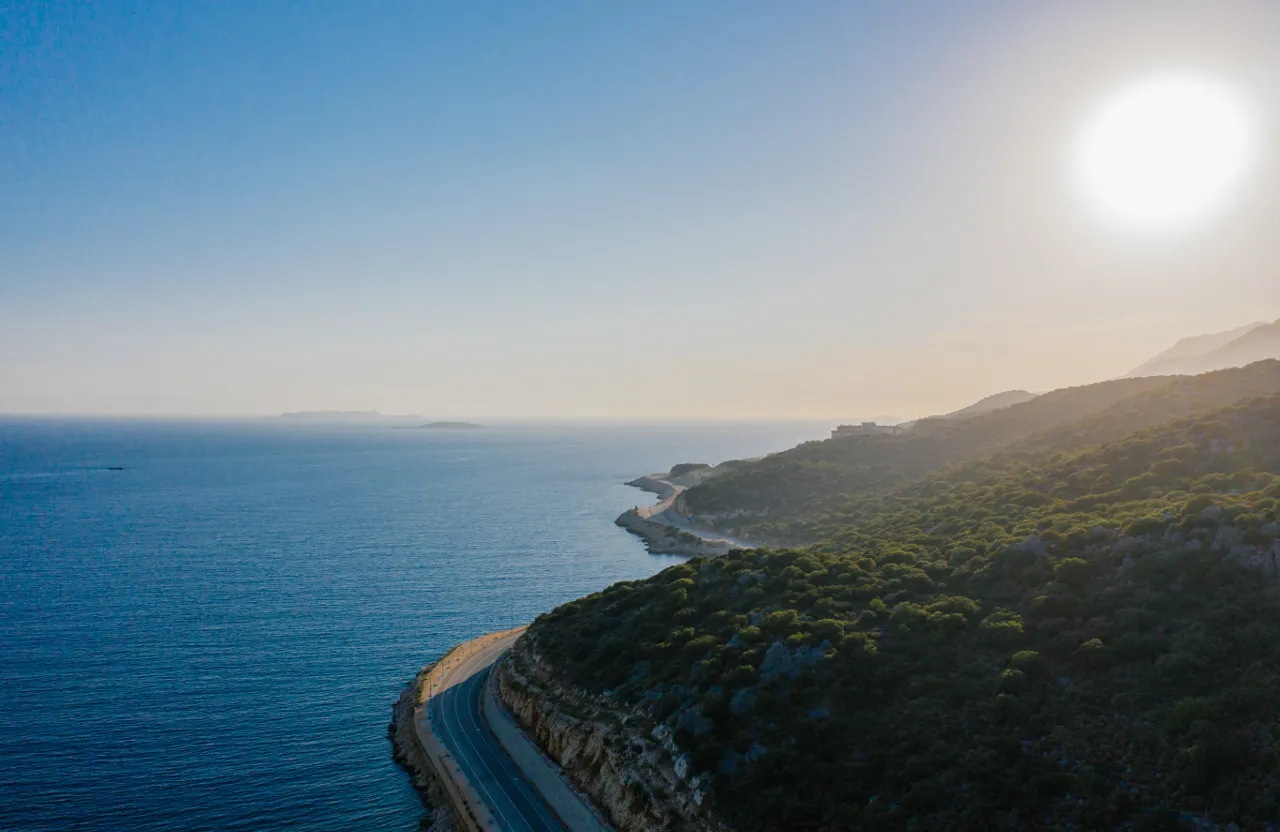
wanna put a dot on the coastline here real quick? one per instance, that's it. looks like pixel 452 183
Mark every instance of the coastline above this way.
pixel 454 749
pixel 662 539
pixel 664 532
pixel 408 752
pixel 667 532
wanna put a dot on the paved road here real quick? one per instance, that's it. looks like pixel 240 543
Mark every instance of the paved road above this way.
pixel 664 512
pixel 454 711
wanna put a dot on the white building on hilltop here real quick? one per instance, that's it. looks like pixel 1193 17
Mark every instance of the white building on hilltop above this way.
pixel 867 429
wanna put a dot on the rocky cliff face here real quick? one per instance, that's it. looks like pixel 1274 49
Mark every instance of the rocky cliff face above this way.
pixel 630 768
pixel 407 751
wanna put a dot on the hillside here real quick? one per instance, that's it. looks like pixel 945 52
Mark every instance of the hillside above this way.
pixel 990 403
pixel 815 476
pixel 1052 639
pixel 1255 342
pixel 795 495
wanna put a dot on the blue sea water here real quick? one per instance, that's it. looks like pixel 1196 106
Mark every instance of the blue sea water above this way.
pixel 212 637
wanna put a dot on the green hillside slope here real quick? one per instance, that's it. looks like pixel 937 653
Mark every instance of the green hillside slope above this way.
pixel 1082 639
pixel 797 495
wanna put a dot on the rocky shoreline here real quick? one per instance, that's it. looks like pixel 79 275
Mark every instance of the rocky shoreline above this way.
pixel 661 539
pixel 665 538
pixel 407 751
pixel 646 792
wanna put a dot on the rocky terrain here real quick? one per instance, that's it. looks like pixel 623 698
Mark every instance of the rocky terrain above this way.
pixel 628 765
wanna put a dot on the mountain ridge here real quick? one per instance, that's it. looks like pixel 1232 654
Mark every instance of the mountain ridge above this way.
pixel 782 497
pixel 995 401
pixel 1215 351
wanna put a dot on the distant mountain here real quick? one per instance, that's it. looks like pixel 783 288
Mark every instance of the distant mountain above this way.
pixel 1194 355
pixel 343 416
pixel 994 402
pixel 448 426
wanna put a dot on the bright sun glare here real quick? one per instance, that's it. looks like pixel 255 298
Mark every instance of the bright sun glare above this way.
pixel 1164 152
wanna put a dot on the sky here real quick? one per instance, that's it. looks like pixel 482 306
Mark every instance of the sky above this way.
pixel 596 210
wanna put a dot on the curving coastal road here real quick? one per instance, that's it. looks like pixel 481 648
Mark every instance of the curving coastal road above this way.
pixel 664 512
pixel 453 711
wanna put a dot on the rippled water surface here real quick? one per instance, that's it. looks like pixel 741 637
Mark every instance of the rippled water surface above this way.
pixel 212 637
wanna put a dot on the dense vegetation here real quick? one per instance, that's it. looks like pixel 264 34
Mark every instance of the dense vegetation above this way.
pixel 1052 636
pixel 795 496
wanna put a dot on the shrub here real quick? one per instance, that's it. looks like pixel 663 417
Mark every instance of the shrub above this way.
pixel 1073 571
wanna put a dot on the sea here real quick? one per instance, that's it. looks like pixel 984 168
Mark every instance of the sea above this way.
pixel 204 624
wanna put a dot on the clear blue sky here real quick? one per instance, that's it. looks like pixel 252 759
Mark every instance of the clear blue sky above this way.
pixel 589 209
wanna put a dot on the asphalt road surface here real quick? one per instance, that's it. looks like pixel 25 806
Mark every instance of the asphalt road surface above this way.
pixel 455 716
pixel 664 512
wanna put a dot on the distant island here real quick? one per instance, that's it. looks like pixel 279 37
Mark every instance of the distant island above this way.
pixel 346 416
pixel 341 416
pixel 366 416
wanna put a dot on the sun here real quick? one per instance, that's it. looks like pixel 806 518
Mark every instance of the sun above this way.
pixel 1164 152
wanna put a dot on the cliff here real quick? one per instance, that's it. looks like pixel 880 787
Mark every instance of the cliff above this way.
pixel 407 751
pixel 630 767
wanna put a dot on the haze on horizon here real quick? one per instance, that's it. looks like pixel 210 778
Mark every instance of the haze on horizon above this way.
pixel 754 210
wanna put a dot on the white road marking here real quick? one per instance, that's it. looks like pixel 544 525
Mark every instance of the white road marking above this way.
pixel 459 738
pixel 462 751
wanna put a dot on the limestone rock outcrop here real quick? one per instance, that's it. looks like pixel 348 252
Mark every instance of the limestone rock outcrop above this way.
pixel 630 769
